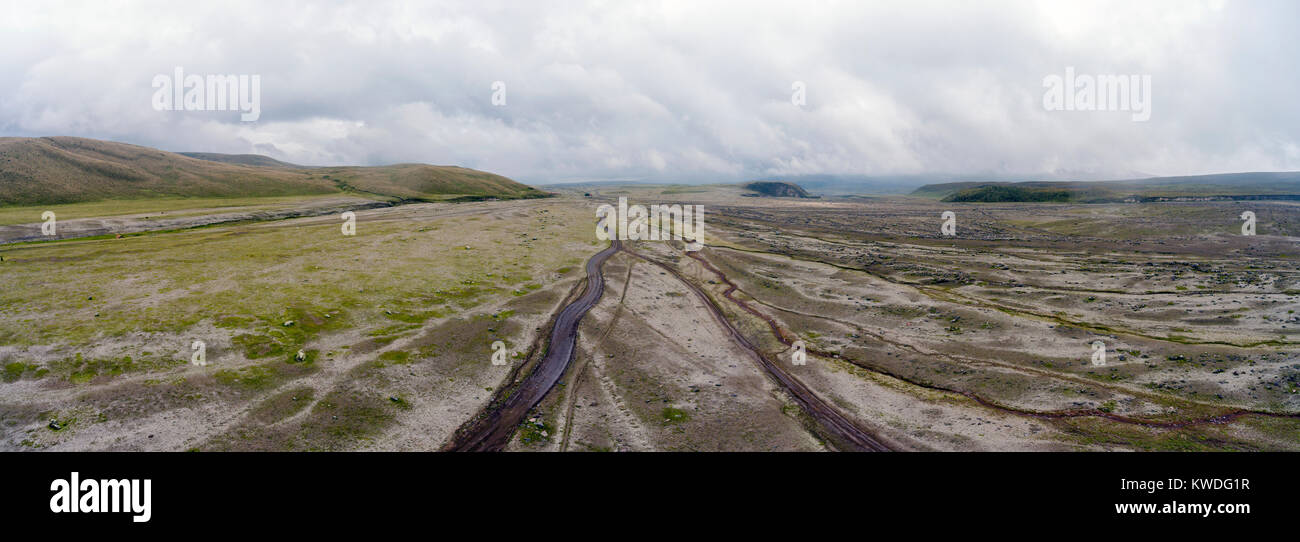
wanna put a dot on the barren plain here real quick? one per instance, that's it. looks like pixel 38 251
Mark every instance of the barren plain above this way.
pixel 984 340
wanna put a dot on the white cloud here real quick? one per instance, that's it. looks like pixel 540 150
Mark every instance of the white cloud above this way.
pixel 678 91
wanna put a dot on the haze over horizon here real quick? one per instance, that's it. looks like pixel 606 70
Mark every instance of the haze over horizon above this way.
pixel 675 92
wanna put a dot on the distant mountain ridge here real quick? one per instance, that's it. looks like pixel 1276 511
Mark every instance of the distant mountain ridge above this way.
pixel 244 159
pixel 777 189
pixel 1250 185
pixel 55 170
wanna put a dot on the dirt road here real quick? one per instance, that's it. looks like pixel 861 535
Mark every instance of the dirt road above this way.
pixel 842 431
pixel 493 431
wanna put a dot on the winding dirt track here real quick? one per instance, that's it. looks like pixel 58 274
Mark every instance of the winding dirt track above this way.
pixel 493 431
pixel 843 430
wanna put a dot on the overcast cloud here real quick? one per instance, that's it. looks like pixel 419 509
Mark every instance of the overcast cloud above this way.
pixel 689 91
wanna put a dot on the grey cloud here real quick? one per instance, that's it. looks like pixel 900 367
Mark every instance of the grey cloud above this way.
pixel 687 91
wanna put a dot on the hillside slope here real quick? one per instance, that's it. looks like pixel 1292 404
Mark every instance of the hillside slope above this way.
pixel 425 182
pixel 55 170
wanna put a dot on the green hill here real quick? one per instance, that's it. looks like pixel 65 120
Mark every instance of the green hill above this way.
pixel 56 170
pixel 1009 193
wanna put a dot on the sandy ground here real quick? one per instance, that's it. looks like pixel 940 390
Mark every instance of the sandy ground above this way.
pixel 909 327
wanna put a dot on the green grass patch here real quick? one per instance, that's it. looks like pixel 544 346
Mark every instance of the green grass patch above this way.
pixel 254 378
pixel 286 332
pixel 79 369
pixel 283 405
pixel 15 371
pixel 672 415
pixel 345 417
pixel 394 357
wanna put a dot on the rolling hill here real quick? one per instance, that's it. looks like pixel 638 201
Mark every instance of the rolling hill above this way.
pixel 55 170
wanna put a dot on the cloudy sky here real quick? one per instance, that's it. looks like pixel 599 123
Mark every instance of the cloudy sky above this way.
pixel 692 91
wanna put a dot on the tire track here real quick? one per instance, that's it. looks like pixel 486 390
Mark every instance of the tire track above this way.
pixel 493 431
pixel 843 431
